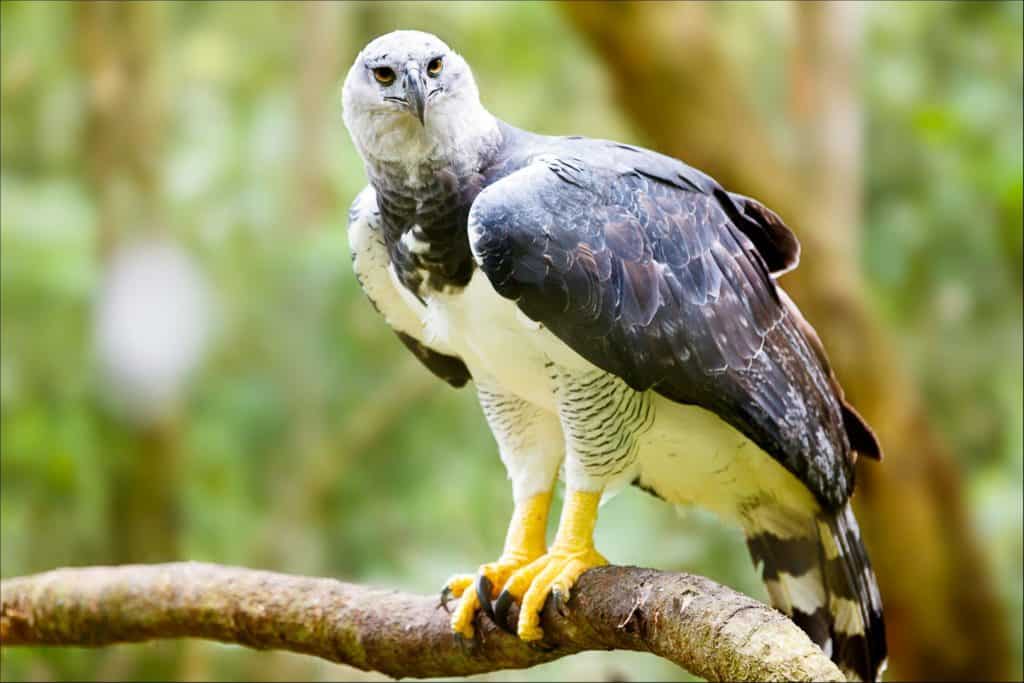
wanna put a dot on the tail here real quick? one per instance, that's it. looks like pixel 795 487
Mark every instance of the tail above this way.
pixel 819 575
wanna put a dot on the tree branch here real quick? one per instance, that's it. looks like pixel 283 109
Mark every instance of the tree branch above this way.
pixel 711 630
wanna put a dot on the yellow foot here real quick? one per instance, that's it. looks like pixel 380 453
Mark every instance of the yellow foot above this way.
pixel 463 586
pixel 553 573
pixel 523 544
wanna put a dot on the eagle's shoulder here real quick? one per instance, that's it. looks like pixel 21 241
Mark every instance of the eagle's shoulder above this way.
pixel 596 162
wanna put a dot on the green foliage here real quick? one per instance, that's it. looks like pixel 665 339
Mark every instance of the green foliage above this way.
pixel 309 440
pixel 943 235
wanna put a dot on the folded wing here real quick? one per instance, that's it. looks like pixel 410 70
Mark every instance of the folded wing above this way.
pixel 652 272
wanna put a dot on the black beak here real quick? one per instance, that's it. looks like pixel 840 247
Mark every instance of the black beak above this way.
pixel 415 91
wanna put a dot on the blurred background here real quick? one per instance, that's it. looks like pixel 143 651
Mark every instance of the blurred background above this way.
pixel 190 371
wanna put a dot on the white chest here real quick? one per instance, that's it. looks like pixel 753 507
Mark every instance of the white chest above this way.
pixel 496 340
pixel 488 332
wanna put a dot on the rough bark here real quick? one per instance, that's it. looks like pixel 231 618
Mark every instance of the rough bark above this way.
pixel 711 630
pixel 672 77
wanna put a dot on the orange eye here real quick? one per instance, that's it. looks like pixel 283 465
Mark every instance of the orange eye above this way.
pixel 384 75
pixel 434 66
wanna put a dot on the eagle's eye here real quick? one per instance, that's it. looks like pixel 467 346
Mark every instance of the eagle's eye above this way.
pixel 384 75
pixel 434 66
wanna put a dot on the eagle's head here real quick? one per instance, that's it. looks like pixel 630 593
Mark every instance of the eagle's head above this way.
pixel 408 96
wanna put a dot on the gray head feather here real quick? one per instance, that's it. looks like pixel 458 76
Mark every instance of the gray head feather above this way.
pixel 408 97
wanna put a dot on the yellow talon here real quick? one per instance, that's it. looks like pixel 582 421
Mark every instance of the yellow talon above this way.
pixel 523 544
pixel 570 555
pixel 462 617
pixel 462 586
pixel 458 584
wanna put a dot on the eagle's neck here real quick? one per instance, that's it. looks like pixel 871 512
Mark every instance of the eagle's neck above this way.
pixel 424 191
pixel 455 133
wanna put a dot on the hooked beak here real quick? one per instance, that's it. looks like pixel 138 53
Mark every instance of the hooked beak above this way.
pixel 415 91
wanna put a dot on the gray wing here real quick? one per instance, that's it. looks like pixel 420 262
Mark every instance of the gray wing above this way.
pixel 370 262
pixel 643 266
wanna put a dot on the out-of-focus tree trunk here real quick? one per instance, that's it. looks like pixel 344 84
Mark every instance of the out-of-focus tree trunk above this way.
pixel 319 52
pixel 675 81
pixel 310 460
pixel 117 48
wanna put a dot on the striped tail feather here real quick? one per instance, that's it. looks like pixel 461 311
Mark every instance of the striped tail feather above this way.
pixel 817 572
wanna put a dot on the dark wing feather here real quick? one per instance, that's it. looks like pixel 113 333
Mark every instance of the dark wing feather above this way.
pixel 645 274
pixel 448 368
pixel 862 437
pixel 774 240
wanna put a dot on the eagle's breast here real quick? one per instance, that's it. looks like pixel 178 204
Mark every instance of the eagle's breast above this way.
pixel 424 211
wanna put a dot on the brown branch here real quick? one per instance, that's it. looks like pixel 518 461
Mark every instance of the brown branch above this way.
pixel 711 630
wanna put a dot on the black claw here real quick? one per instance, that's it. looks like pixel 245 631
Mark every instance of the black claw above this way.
pixel 483 594
pixel 446 593
pixel 465 644
pixel 501 608
pixel 559 602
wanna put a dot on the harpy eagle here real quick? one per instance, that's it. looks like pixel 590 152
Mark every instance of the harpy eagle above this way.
pixel 618 313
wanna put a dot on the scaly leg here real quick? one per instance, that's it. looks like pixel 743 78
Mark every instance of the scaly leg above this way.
pixel 554 573
pixel 601 418
pixel 530 443
pixel 524 543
